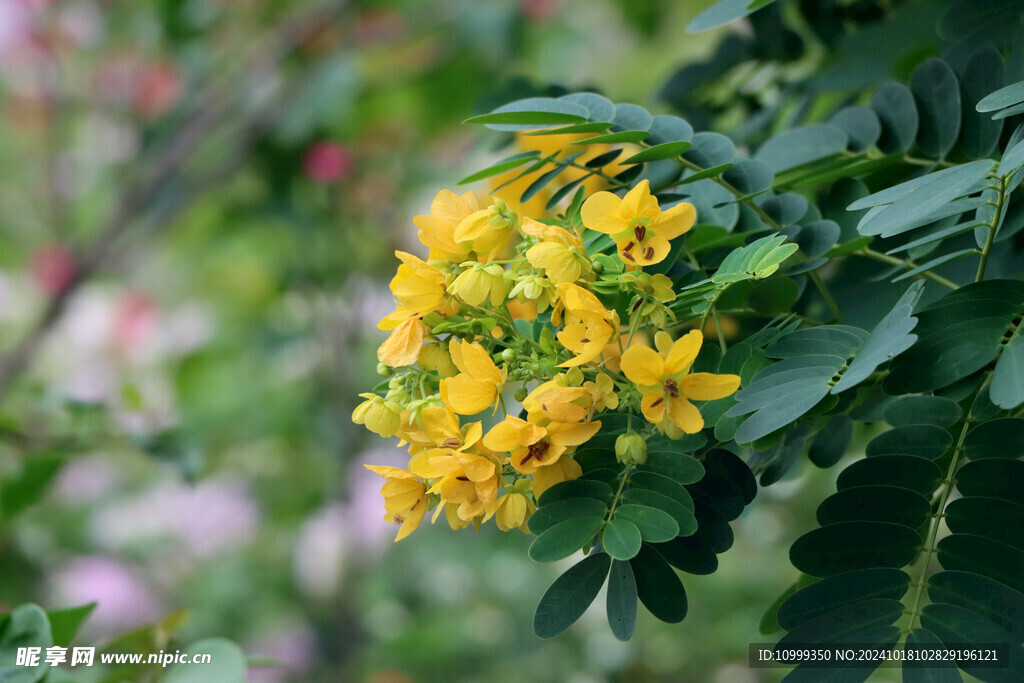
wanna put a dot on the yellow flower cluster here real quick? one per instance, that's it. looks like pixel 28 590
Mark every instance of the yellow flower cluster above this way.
pixel 532 305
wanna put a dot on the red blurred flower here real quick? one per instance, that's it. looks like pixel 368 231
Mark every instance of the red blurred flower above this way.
pixel 53 267
pixel 327 162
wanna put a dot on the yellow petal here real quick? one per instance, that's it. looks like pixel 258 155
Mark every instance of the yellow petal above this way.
pixel 663 342
pixel 705 386
pixel 653 406
pixel 512 433
pixel 685 415
pixel 640 202
pixel 410 523
pixel 559 264
pixel 574 434
pixel 564 469
pixel 450 207
pixel 473 434
pixel 675 221
pixel 512 512
pixel 476 467
pixel 683 352
pixel 403 345
pixel 602 212
pixel 477 364
pixel 642 365
pixel 390 472
pixel 473 226
pixel 466 396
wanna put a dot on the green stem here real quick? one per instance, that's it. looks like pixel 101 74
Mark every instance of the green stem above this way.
pixel 827 296
pixel 929 548
pixel 618 494
pixel 992 227
pixel 908 264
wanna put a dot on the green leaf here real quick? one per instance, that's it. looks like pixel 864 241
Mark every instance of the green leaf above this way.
pixel 570 595
pixel 666 150
pixel 784 209
pixel 576 488
pixel 621 136
pixel 749 176
pixel 798 146
pixel 691 554
pixel 1000 438
pixel 622 600
pixel 1007 389
pixel 938 236
pixel 25 626
pixel 954 624
pixel 632 117
pixel 922 410
pixel 958 335
pixel 861 126
pixel 599 127
pixel 937 95
pixel 924 441
pixel 845 621
pixel 65 623
pixel 227 664
pixel 875 504
pixel 817 237
pixel 666 486
pixel 599 108
pixel 701 175
pixel 621 539
pixel 981 595
pixel 710 150
pixel 935 263
pixel 680 513
pixel 998 561
pixel 847 546
pixel 907 471
pixel 658 587
pixel 831 442
pixel 557 512
pixel 757 260
pixel 501 167
pixel 721 13
pixel 564 538
pixel 722 464
pixel 774 296
pixel 531 113
pixel 998 478
pixel 680 467
pixel 1007 96
pixel 916 202
pixel 1000 520
pixel 541 182
pixel 655 526
pixel 894 105
pixel 821 597
pixel 19 493
pixel 982 75
pixel 670 129
pixel 921 671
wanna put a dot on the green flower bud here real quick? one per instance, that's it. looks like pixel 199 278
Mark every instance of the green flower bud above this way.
pixel 521 394
pixel 631 449
pixel 385 370
pixel 508 355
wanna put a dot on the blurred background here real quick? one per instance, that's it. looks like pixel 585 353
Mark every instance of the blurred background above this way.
pixel 199 204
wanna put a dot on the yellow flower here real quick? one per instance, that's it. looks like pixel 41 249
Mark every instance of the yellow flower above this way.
pixel 418 286
pixel 428 427
pixel 558 403
pixel 669 386
pixel 379 415
pixel 434 356
pixel 404 344
pixel 602 393
pixel 522 310
pixel 512 511
pixel 479 283
pixel 532 446
pixel 478 383
pixel 560 253
pixel 488 229
pixel 405 498
pixel 437 231
pixel 640 228
pixel 564 469
pixel 533 289
pixel 589 325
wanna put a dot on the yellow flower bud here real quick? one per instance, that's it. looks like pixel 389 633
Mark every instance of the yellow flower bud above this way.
pixel 480 283
pixel 435 357
pixel 380 416
pixel 631 449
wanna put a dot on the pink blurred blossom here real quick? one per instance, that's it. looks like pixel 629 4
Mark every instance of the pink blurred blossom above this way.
pixel 134 321
pixel 327 162
pixel 124 600
pixel 292 645
pixel 205 520
pixel 320 551
pixel 539 10
pixel 53 268
pixel 157 89
pixel 87 479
